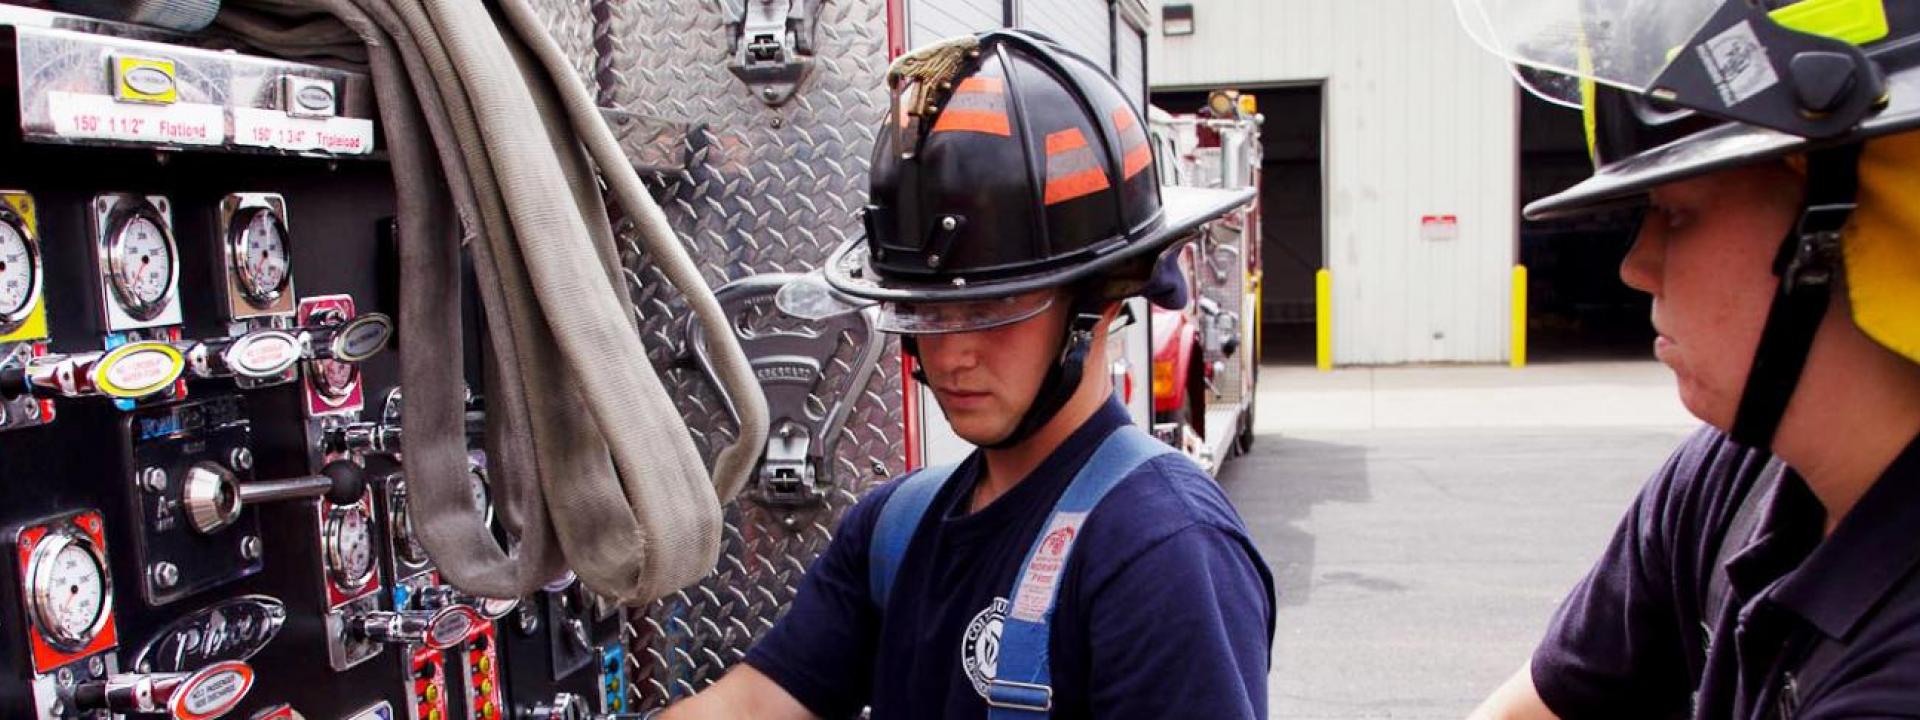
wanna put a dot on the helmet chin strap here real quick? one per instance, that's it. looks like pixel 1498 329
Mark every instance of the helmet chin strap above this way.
pixel 1808 258
pixel 1062 380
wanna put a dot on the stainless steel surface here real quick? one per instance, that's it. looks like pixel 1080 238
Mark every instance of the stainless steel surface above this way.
pixel 212 497
pixel 790 357
pixel 764 190
pixel 55 60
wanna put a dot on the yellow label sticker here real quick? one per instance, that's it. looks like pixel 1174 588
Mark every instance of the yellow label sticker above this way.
pixel 144 80
pixel 136 370
pixel 35 326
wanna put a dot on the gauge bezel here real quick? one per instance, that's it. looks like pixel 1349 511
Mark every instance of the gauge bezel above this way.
pixel 11 321
pixel 334 396
pixel 336 553
pixel 317 375
pixel 406 546
pixel 117 223
pixel 477 473
pixel 40 566
pixel 237 228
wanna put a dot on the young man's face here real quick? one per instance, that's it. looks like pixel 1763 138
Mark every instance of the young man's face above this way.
pixel 1705 253
pixel 985 380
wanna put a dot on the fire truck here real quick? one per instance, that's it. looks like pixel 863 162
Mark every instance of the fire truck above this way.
pixel 307 305
pixel 1206 358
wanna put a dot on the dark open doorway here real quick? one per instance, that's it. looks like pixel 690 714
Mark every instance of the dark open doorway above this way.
pixel 1577 308
pixel 1292 209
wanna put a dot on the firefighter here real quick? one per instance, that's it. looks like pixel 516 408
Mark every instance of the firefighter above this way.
pixel 1771 568
pixel 1072 566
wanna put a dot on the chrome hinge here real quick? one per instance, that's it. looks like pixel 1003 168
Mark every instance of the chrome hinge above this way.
pixel 772 46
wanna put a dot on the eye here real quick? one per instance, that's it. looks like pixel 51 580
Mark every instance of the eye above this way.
pixel 1670 218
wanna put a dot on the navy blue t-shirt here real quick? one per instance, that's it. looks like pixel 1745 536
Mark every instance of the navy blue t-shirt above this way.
pixel 1166 608
pixel 1636 638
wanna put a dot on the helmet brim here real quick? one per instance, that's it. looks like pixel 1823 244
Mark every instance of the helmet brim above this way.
pixel 1718 148
pixel 1183 210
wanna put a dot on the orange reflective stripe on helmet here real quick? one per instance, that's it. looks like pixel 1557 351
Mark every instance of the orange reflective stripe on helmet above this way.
pixel 1133 142
pixel 979 105
pixel 1073 170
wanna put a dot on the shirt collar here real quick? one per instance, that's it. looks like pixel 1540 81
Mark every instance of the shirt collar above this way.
pixel 1059 466
pixel 1866 556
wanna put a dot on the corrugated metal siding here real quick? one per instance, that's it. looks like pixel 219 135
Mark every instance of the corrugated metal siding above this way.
pixel 1132 68
pixel 1081 25
pixel 1419 121
pixel 931 20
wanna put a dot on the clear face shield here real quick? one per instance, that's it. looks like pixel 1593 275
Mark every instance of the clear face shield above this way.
pixel 1796 68
pixel 809 297
pixel 1622 43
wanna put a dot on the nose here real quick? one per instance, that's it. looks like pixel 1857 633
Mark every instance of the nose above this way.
pixel 946 354
pixel 1643 266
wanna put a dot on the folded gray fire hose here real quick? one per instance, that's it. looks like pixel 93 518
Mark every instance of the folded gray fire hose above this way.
pixel 490 131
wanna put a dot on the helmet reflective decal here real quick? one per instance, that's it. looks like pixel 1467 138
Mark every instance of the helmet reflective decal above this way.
pixel 1133 142
pixel 1073 170
pixel 979 105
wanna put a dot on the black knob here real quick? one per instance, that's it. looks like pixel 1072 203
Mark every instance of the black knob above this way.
pixel 13 382
pixel 349 482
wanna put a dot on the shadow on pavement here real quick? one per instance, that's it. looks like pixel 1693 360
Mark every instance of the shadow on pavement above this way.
pixel 1276 485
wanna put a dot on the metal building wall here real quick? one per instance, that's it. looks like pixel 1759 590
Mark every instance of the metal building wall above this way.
pixel 1130 49
pixel 1419 122
pixel 1083 26
pixel 930 20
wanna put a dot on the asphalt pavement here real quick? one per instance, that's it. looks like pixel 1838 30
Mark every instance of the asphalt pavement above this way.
pixel 1423 523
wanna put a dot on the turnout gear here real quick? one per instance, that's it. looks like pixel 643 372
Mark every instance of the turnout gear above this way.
pixel 1010 168
pixel 1676 90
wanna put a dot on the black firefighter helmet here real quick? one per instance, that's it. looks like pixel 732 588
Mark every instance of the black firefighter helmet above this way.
pixel 1008 165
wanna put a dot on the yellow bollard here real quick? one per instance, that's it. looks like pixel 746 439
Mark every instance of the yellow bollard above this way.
pixel 1323 319
pixel 1519 356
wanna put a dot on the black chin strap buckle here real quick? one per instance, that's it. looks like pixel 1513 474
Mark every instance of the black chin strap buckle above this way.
pixel 1079 337
pixel 1811 259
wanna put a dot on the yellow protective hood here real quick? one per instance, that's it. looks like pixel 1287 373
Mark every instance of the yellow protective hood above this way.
pixel 1882 244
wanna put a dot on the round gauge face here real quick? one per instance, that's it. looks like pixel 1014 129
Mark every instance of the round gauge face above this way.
pixel 334 379
pixel 405 542
pixel 143 265
pixel 19 272
pixel 482 497
pixel 72 596
pixel 350 546
pixel 260 256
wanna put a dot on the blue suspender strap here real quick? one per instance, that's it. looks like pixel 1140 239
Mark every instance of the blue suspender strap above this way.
pixel 1022 687
pixel 899 518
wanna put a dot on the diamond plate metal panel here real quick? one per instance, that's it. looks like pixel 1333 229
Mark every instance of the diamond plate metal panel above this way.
pixel 764 190
pixel 571 24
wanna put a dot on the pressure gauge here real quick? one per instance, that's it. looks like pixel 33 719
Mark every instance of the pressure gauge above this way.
pixel 19 271
pixel 140 261
pixel 349 546
pixel 482 494
pixel 257 245
pixel 400 517
pixel 68 592
pixel 333 379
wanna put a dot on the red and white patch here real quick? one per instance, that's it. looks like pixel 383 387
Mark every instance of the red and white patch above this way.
pixel 1040 579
